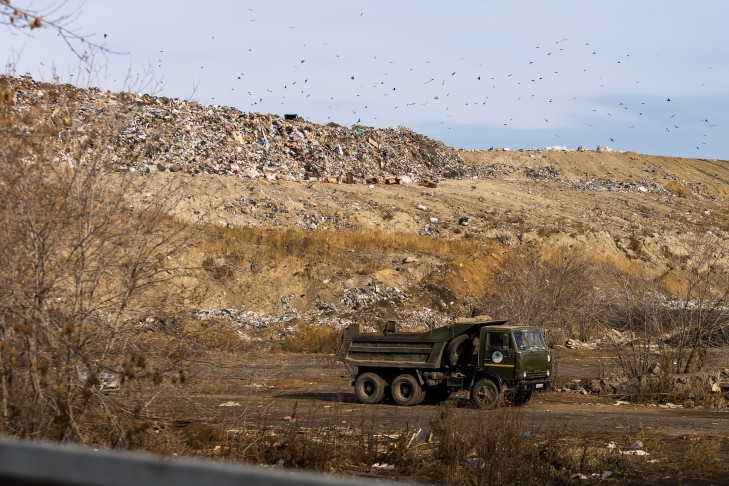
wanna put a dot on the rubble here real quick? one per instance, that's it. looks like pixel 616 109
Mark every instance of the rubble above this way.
pixel 358 298
pixel 429 230
pixel 577 344
pixel 683 385
pixel 547 173
pixel 143 134
pixel 586 184
pixel 242 318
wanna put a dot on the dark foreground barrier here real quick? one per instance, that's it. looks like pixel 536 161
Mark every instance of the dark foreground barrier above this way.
pixel 40 463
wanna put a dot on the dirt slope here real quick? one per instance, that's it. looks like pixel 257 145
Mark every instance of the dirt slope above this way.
pixel 638 208
pixel 251 170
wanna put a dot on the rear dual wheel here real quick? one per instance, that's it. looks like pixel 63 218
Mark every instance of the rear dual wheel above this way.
pixel 369 388
pixel 406 390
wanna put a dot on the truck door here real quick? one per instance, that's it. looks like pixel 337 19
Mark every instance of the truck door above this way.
pixel 498 354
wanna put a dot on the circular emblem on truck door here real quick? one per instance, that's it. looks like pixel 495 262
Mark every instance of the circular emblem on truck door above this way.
pixel 496 357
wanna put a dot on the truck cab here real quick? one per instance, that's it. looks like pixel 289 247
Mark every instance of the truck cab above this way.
pixel 516 357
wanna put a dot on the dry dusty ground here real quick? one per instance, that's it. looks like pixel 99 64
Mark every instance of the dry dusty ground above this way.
pixel 270 389
pixel 647 228
pixel 653 229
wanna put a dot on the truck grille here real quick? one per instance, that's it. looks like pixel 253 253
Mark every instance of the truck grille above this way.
pixel 535 375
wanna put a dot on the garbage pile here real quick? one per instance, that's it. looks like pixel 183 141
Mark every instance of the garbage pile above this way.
pixel 143 133
pixel 546 173
pixel 617 186
pixel 358 298
pixel 551 174
pixel 243 319
pixel 247 322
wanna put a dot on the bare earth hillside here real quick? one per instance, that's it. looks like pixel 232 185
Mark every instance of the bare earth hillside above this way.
pixel 176 277
pixel 623 206
pixel 448 216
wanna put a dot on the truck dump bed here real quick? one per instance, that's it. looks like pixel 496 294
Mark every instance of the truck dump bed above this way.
pixel 423 350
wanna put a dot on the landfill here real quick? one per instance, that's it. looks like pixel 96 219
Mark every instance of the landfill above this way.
pixel 249 323
pixel 551 174
pixel 143 133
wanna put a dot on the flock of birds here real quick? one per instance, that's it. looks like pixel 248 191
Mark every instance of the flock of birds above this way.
pixel 329 83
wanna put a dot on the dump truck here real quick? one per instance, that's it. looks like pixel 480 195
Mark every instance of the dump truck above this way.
pixel 491 359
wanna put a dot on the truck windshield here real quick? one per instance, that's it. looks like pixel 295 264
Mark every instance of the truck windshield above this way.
pixel 529 339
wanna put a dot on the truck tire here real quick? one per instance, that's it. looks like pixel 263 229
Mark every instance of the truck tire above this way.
pixel 457 349
pixel 369 388
pixel 406 390
pixel 485 394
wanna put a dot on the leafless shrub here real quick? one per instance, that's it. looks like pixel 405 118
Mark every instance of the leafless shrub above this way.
pixel 79 269
pixel 559 289
pixel 498 450
pixel 676 331
pixel 700 317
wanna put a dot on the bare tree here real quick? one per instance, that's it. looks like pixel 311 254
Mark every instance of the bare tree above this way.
pixel 80 269
pixel 700 315
pixel 557 288
pixel 676 328
pixel 24 19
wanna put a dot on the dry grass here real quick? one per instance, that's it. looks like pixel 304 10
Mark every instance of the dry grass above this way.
pixel 701 459
pixel 241 243
pixel 311 340
pixel 678 189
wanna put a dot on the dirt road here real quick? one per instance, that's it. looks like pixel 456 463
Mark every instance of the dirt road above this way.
pixel 315 388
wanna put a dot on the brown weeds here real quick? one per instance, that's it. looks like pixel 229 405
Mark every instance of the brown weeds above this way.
pixel 311 340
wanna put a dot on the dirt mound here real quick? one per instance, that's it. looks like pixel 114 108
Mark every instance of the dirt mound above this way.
pixel 250 171
pixel 147 133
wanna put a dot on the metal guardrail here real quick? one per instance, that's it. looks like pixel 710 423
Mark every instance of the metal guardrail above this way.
pixel 27 463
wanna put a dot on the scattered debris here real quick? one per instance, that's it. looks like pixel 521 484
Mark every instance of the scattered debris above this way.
pixel 577 344
pixel 150 134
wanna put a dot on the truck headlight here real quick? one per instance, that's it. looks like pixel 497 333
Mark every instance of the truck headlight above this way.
pixel 549 358
pixel 524 374
pixel 548 373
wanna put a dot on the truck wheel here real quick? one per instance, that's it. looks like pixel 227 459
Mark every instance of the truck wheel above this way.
pixel 369 388
pixel 457 349
pixel 406 390
pixel 485 394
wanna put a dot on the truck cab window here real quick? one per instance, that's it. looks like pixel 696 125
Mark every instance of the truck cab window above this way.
pixel 519 339
pixel 498 342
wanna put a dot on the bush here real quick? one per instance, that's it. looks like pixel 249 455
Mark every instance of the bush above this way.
pixel 497 450
pixel 76 262
pixel 560 289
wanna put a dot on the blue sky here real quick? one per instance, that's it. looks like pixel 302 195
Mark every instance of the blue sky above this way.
pixel 474 74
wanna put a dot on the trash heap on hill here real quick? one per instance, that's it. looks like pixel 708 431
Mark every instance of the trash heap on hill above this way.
pixel 143 133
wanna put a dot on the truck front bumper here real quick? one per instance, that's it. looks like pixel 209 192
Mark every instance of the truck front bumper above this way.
pixel 534 385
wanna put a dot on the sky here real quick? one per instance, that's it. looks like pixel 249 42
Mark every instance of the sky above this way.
pixel 645 76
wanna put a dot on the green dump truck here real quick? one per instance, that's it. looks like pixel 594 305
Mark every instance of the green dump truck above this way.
pixel 491 359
